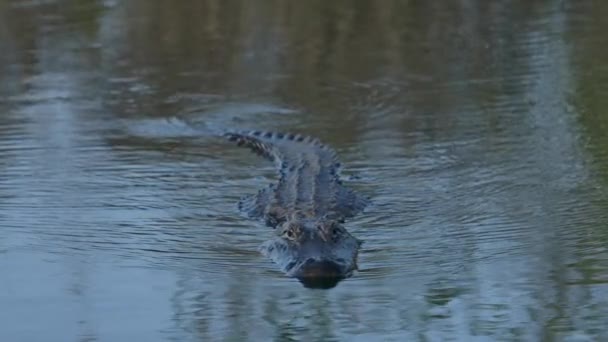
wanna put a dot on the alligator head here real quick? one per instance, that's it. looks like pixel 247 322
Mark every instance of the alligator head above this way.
pixel 318 252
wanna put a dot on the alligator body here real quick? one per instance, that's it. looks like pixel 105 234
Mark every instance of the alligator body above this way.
pixel 306 207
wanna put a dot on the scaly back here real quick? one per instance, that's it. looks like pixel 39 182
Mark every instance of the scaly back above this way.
pixel 308 178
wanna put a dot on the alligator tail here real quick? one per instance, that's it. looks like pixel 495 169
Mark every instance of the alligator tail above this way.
pixel 259 147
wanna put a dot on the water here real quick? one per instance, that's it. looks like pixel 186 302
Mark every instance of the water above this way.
pixel 478 129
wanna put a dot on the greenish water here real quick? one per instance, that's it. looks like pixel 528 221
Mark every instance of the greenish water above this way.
pixel 478 128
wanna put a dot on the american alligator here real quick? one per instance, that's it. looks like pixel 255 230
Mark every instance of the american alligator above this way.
pixel 306 208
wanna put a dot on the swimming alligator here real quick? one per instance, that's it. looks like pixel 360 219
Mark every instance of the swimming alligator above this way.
pixel 306 207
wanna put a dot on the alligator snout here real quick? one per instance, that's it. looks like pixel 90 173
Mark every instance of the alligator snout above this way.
pixel 314 268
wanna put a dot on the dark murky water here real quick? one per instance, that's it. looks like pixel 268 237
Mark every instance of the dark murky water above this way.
pixel 477 127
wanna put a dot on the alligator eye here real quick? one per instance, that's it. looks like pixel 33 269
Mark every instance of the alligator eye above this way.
pixel 335 231
pixel 289 234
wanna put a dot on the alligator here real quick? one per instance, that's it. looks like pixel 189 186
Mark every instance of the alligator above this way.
pixel 307 207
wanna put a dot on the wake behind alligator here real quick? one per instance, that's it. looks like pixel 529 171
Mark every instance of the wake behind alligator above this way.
pixel 306 207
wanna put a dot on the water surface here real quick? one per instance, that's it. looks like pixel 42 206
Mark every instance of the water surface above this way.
pixel 478 129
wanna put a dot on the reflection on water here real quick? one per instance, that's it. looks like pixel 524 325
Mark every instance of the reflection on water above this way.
pixel 477 128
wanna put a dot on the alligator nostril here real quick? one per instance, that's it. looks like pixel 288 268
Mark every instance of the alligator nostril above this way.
pixel 310 261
